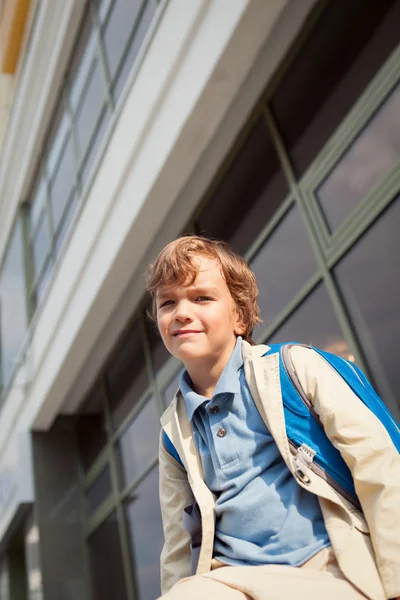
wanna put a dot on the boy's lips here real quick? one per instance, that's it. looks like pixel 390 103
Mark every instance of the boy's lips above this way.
pixel 185 332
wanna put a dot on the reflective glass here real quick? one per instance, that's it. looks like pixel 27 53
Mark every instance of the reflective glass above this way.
pixel 66 221
pixel 90 107
pixel 127 377
pixel 106 562
pixel 146 533
pixel 138 446
pixel 343 53
pixel 59 131
pixel 314 323
pixel 95 143
pixel 248 195
pixel 82 61
pixel 369 278
pixel 134 47
pixel 372 155
pixel 98 492
pixel 38 202
pixel 13 314
pixel 171 388
pixel 159 353
pixel 91 428
pixel 117 30
pixel 283 265
pixel 41 244
pixel 62 184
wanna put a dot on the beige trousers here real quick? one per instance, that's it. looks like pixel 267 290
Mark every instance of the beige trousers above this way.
pixel 318 578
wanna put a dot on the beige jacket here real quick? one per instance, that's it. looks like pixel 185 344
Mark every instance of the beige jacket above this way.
pixel 367 549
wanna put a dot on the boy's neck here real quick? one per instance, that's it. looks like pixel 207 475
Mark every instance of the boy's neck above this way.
pixel 205 374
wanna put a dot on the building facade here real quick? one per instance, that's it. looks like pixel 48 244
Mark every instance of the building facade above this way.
pixel 123 124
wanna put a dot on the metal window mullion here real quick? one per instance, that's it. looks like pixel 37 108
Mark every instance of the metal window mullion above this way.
pixel 28 261
pixel 315 240
pixel 289 308
pixel 127 492
pixel 149 363
pixel 123 535
pixel 101 54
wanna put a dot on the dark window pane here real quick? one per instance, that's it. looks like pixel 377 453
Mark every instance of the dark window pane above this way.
pixel 134 47
pixel 146 533
pixel 127 377
pixel 344 52
pixel 63 182
pixel 41 244
pixel 92 150
pixel 171 388
pixel 13 315
pixel 91 428
pixel 138 446
pixel 249 194
pixel 90 107
pixel 283 265
pixel 98 492
pixel 159 353
pixel 59 131
pixel 82 60
pixel 106 564
pixel 371 156
pixel 117 30
pixel 369 279
pixel 314 323
pixel 38 202
pixel 66 221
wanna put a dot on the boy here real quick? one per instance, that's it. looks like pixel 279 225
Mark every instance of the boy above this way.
pixel 265 533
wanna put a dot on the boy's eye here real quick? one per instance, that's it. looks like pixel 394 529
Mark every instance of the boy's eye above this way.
pixel 166 303
pixel 203 298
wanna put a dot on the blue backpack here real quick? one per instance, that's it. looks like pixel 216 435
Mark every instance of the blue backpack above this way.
pixel 307 439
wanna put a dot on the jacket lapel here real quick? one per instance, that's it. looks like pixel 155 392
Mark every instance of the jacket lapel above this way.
pixel 262 375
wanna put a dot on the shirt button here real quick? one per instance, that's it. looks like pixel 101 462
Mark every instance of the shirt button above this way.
pixel 214 410
pixel 222 432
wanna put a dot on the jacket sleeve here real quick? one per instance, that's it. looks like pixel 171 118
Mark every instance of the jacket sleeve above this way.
pixel 175 495
pixel 368 451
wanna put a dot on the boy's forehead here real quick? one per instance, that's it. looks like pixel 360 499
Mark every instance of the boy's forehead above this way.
pixel 209 274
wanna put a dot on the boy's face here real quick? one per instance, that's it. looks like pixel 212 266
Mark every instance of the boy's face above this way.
pixel 199 322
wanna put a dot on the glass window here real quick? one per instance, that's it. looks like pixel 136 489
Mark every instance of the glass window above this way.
pixel 41 244
pixel 171 388
pixel 370 157
pixel 98 492
pixel 38 202
pixel 283 265
pixel 346 49
pixel 95 143
pixel 90 107
pixel 106 563
pixel 159 353
pixel 249 194
pixel 59 131
pixel 66 221
pixel 134 47
pixel 62 184
pixel 91 428
pixel 127 377
pixel 13 313
pixel 369 278
pixel 82 62
pixel 146 533
pixel 138 446
pixel 314 323
pixel 118 29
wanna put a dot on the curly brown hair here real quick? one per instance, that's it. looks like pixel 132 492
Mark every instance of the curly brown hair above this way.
pixel 177 265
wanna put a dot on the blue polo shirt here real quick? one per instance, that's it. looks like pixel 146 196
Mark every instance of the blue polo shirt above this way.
pixel 262 515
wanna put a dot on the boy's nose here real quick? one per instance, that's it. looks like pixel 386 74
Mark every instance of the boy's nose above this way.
pixel 182 312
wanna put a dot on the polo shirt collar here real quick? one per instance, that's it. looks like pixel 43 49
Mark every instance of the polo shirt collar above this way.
pixel 228 382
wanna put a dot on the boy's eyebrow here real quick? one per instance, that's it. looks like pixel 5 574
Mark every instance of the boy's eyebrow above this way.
pixel 162 292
